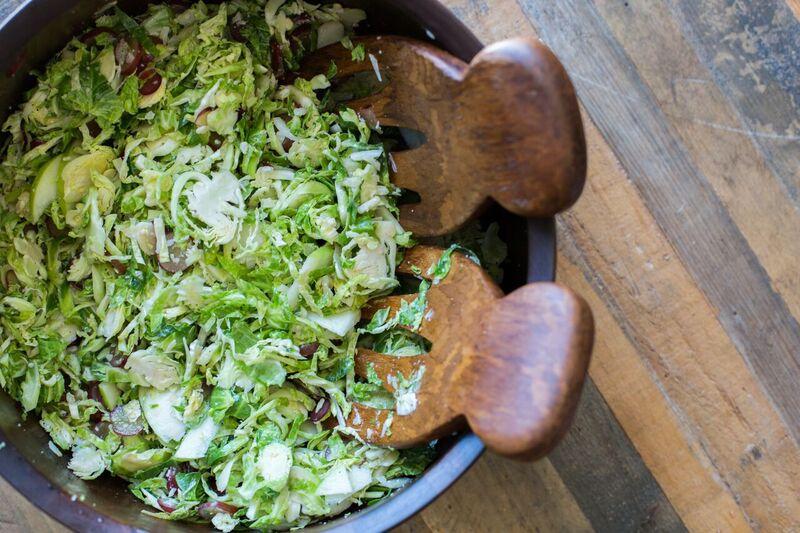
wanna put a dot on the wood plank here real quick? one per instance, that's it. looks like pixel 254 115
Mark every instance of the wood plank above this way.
pixel 751 50
pixel 685 499
pixel 701 230
pixel 710 128
pixel 632 497
pixel 794 5
pixel 492 21
pixel 723 413
pixel 502 495
pixel 597 453
pixel 19 515
pixel 683 470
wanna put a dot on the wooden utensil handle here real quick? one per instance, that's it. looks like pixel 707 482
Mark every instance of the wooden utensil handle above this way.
pixel 524 380
pixel 523 125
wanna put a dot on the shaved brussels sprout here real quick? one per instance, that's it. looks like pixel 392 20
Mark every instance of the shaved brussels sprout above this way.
pixel 188 236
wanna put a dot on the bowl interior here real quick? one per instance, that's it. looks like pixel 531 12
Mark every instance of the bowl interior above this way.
pixel 40 28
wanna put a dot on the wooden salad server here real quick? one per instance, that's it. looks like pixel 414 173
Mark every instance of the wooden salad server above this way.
pixel 509 367
pixel 506 126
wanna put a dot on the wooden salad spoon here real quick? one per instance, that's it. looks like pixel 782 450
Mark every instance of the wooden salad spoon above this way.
pixel 509 367
pixel 506 126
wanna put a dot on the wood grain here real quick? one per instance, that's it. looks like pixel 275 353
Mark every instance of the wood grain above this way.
pixel 703 503
pixel 689 356
pixel 720 146
pixel 680 376
pixel 695 221
pixel 502 495
pixel 594 455
pixel 18 515
pixel 509 122
pixel 685 244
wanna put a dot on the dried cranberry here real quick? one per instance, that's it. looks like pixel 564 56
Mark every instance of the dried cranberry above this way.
pixel 301 19
pixel 94 128
pixel 298 36
pixel 235 29
pixel 330 423
pixel 143 64
pixel 369 116
pixel 90 36
pixel 178 256
pixel 276 59
pixel 94 391
pixel 34 143
pixel 215 140
pixel 321 411
pixel 156 39
pixel 118 360
pixel 208 509
pixel 119 266
pixel 151 85
pixel 94 394
pixel 171 477
pixel 176 264
pixel 307 350
pixel 101 429
pixel 128 53
pixel 287 144
pixel 53 230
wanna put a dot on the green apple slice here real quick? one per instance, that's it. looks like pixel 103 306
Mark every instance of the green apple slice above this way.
pixel 76 176
pixel 109 394
pixel 159 411
pixel 45 187
pixel 197 440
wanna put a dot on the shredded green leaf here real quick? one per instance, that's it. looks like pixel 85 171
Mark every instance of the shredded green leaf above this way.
pixel 187 248
pixel 358 53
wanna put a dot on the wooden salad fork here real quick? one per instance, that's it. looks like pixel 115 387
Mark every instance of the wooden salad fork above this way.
pixel 509 367
pixel 505 126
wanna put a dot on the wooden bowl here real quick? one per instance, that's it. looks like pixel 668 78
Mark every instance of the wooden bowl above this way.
pixel 39 28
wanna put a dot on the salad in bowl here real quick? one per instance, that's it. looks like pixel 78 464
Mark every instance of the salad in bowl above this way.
pixel 188 234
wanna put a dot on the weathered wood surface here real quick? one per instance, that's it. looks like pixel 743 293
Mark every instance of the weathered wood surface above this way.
pixel 686 244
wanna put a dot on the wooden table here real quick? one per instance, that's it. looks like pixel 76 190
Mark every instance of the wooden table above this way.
pixel 686 244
